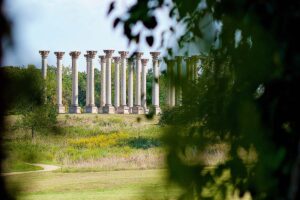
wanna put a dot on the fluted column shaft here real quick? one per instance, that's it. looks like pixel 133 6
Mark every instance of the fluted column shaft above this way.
pixel 59 77
pixel 123 77
pixel 144 83
pixel 91 55
pixel 74 82
pixel 155 82
pixel 179 81
pixel 103 81
pixel 138 79
pixel 59 81
pixel 44 55
pixel 130 83
pixel 171 82
pixel 87 80
pixel 75 108
pixel 108 106
pixel 59 56
pixel 117 82
pixel 172 88
pixel 195 68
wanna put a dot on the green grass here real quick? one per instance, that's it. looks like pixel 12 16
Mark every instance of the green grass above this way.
pixel 16 166
pixel 127 184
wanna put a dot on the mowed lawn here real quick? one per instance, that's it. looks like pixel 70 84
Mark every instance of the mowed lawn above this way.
pixel 125 184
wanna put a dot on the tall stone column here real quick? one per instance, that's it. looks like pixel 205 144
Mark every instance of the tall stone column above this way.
pixel 137 109
pixel 117 82
pixel 91 108
pixel 171 82
pixel 179 81
pixel 44 55
pixel 87 98
pixel 188 69
pixel 108 107
pixel 130 84
pixel 74 108
pixel 123 109
pixel 144 84
pixel 195 67
pixel 103 84
pixel 59 56
pixel 155 83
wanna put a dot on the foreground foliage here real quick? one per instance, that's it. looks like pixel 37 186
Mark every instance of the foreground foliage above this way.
pixel 246 95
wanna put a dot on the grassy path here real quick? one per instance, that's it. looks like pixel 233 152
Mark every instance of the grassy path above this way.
pixel 45 168
pixel 127 184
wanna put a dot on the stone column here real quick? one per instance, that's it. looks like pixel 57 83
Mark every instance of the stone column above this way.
pixel 117 82
pixel 195 67
pixel 155 83
pixel 130 84
pixel 123 109
pixel 87 98
pixel 179 81
pixel 137 109
pixel 44 55
pixel 91 108
pixel 171 82
pixel 74 108
pixel 168 69
pixel 103 82
pixel 144 85
pixel 60 108
pixel 188 68
pixel 108 107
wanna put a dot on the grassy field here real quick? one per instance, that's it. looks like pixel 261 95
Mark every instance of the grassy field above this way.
pixel 125 184
pixel 89 142
pixel 101 157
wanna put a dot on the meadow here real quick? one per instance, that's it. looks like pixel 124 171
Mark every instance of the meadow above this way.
pixel 88 143
pixel 101 157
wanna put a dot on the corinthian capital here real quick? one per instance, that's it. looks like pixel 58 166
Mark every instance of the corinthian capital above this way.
pixel 123 54
pixel 102 58
pixel 116 59
pixel 109 53
pixel 138 55
pixel 44 53
pixel 155 54
pixel 59 54
pixel 91 54
pixel 75 54
pixel 144 61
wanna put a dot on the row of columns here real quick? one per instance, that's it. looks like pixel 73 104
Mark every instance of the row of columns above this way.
pixel 138 106
pixel 175 77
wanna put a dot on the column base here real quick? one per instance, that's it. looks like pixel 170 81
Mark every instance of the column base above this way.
pixel 123 110
pixel 101 110
pixel 75 109
pixel 91 109
pixel 109 109
pixel 146 110
pixel 61 109
pixel 138 110
pixel 130 110
pixel 155 110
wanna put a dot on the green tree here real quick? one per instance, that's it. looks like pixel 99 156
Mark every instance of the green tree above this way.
pixel 246 96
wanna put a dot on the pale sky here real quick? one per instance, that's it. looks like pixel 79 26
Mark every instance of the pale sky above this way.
pixel 66 25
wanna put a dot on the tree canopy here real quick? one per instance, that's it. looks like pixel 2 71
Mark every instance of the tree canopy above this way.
pixel 246 95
